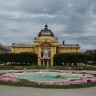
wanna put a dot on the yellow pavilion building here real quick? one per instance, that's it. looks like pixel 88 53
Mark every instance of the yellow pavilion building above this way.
pixel 46 46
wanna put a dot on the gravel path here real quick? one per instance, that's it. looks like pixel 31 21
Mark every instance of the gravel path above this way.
pixel 28 91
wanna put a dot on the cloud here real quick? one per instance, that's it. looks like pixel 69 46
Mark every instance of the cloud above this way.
pixel 71 20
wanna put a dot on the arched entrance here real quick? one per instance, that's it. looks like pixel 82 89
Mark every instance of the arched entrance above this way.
pixel 45 56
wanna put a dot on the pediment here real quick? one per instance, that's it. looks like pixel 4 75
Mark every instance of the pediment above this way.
pixel 46 44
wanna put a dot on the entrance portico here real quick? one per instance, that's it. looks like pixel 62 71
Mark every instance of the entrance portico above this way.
pixel 46 61
pixel 45 54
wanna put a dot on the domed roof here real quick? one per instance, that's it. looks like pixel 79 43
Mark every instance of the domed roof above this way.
pixel 46 32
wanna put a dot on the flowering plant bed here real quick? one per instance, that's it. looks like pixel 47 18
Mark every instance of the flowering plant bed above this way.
pixel 76 83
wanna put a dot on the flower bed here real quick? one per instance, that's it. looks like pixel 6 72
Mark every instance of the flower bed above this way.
pixel 81 81
pixel 9 79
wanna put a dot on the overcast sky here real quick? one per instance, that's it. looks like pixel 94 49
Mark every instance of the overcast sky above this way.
pixel 71 20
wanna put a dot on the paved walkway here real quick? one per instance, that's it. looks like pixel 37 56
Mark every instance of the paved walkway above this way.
pixel 28 91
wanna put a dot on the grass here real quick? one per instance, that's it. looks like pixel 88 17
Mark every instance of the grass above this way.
pixel 44 67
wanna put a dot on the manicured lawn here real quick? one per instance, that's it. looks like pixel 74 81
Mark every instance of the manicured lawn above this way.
pixel 45 67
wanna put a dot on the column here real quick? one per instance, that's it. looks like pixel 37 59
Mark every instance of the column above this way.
pixel 47 64
pixel 39 55
pixel 39 61
pixel 51 63
pixel 43 62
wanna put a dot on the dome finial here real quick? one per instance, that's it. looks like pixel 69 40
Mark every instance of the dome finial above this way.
pixel 46 26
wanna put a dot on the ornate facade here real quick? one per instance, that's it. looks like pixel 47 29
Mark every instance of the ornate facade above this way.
pixel 45 45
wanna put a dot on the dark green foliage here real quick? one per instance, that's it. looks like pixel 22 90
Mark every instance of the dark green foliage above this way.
pixel 19 59
pixel 94 58
pixel 63 58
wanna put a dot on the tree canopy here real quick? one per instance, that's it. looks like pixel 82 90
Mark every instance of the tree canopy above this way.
pixel 19 58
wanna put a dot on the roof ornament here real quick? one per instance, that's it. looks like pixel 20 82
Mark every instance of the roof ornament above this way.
pixel 63 42
pixel 46 26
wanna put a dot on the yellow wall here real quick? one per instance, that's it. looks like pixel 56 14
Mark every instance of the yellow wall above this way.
pixel 69 49
pixel 19 48
pixel 53 44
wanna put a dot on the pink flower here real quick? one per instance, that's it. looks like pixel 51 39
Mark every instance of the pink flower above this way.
pixel 9 79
